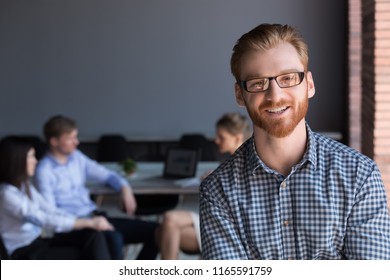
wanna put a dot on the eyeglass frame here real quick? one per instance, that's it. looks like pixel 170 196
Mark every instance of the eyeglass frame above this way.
pixel 301 75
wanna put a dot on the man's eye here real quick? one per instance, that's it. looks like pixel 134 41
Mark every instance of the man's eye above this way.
pixel 257 84
pixel 287 78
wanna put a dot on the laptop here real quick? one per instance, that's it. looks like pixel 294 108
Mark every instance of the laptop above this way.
pixel 180 165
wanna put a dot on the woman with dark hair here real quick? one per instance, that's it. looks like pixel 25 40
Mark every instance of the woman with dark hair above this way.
pixel 25 215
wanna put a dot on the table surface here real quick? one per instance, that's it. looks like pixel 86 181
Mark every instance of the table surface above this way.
pixel 146 179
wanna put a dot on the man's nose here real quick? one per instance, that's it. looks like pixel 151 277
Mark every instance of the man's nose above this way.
pixel 274 92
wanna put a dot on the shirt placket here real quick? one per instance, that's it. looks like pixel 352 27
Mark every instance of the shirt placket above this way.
pixel 286 220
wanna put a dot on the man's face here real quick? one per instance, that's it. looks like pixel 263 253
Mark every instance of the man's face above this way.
pixel 66 143
pixel 277 110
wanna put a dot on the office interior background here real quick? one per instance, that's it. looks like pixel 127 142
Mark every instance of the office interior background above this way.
pixel 154 70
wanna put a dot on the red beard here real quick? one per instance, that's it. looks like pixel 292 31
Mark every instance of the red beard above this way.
pixel 278 127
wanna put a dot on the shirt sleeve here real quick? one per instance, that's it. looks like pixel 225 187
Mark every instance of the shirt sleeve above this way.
pixel 219 233
pixel 36 210
pixel 100 174
pixel 368 229
pixel 45 181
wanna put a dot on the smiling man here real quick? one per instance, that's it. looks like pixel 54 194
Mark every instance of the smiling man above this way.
pixel 288 192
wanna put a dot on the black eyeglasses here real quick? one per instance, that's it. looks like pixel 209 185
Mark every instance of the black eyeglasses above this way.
pixel 262 84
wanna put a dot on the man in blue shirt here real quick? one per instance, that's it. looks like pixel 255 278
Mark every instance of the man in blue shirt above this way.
pixel 287 192
pixel 61 178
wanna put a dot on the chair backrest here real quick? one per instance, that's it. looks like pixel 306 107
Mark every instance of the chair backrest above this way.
pixel 112 147
pixel 198 141
pixel 3 251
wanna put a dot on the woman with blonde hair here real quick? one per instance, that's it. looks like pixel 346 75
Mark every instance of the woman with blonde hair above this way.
pixel 179 230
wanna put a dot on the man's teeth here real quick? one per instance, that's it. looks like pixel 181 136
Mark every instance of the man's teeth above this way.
pixel 277 110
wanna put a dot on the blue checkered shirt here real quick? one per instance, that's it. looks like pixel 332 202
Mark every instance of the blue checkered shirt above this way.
pixel 332 205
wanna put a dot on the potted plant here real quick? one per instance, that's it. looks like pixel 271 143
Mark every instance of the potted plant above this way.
pixel 129 166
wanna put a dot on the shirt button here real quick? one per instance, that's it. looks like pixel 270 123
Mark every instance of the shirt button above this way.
pixel 283 185
pixel 285 222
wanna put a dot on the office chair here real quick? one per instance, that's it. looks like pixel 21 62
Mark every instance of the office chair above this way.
pixel 198 141
pixel 3 251
pixel 112 147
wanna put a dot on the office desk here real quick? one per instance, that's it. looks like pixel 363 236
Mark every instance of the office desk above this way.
pixel 144 182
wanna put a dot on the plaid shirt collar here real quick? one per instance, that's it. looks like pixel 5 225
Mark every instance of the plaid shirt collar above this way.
pixel 254 161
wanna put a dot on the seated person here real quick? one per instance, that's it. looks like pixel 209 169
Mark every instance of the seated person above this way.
pixel 232 129
pixel 61 177
pixel 180 229
pixel 24 214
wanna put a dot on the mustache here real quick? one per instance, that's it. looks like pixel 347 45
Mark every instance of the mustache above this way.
pixel 271 104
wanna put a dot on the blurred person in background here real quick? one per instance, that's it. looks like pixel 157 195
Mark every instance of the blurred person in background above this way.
pixel 179 229
pixel 61 178
pixel 25 214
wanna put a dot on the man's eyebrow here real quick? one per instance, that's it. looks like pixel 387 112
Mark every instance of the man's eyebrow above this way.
pixel 284 71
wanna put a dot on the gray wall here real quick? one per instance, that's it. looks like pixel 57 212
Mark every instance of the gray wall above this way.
pixel 151 69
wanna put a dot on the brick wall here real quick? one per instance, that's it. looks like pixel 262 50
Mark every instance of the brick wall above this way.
pixel 376 84
pixel 382 90
pixel 354 69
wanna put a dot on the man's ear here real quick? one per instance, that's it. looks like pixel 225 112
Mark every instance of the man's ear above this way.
pixel 53 142
pixel 238 92
pixel 311 90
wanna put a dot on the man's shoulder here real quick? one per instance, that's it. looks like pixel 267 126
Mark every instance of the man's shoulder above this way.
pixel 45 162
pixel 335 149
pixel 78 154
pixel 45 170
